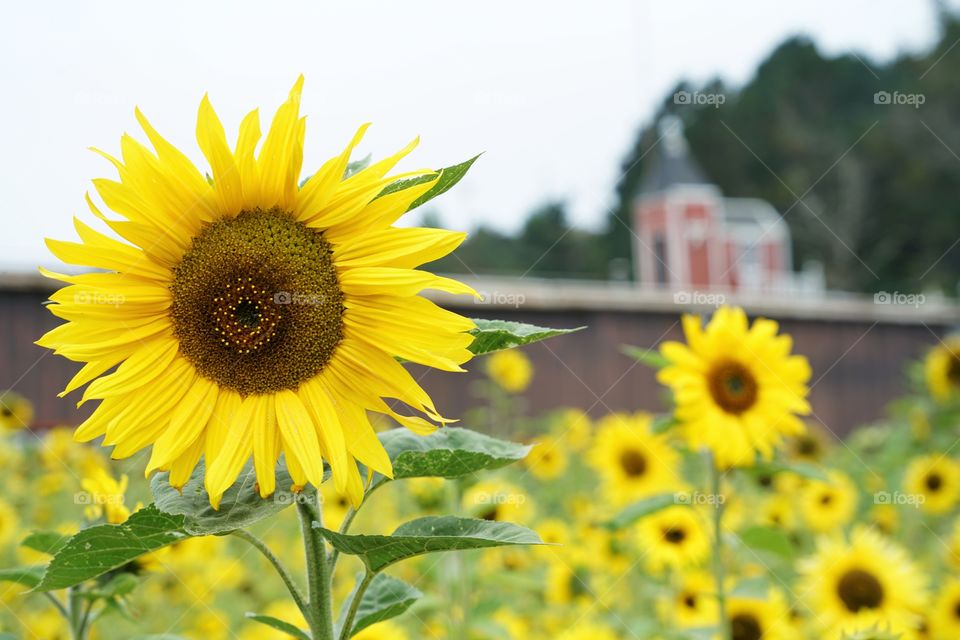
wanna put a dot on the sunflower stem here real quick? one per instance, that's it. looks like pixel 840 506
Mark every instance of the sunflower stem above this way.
pixel 345 632
pixel 718 572
pixel 320 607
pixel 288 581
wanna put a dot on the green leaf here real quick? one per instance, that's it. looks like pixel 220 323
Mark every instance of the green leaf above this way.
pixel 27 576
pixel 767 539
pixel 385 598
pixel 117 586
pixel 495 335
pixel 240 506
pixel 355 166
pixel 752 588
pixel 449 452
pixel 643 508
pixel 45 541
pixel 662 424
pixel 650 357
pixel 97 550
pixel 279 625
pixel 802 469
pixel 428 535
pixel 449 176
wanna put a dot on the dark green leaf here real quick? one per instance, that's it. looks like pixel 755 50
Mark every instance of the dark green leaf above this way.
pixel 117 586
pixel 279 625
pixel 449 452
pixel 768 539
pixel 385 598
pixel 448 177
pixel 240 506
pixel 428 535
pixel 650 357
pixel 45 541
pixel 97 550
pixel 495 335
pixel 27 576
pixel 643 508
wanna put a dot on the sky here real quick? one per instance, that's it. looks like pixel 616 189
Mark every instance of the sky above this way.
pixel 552 92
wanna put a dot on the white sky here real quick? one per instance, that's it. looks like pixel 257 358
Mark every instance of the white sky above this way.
pixel 553 91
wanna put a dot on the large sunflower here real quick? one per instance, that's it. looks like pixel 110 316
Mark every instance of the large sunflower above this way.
pixel 737 388
pixel 250 314
pixel 868 582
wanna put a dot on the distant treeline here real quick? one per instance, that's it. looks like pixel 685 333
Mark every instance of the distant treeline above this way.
pixel 863 158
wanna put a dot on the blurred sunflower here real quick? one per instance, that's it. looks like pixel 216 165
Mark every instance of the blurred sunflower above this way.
pixel 737 388
pixel 497 500
pixel 16 412
pixel 945 617
pixel 759 619
pixel 106 496
pixel 941 368
pixel 633 462
pixel 510 369
pixel 588 631
pixel 548 458
pixel 867 582
pixel 575 428
pixel 386 630
pixel 568 584
pixel 779 511
pixel 250 314
pixel 675 537
pixel 693 604
pixel 9 522
pixel 828 505
pixel 935 478
pixel 281 610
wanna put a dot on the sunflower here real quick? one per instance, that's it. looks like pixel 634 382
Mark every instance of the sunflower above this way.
pixel 588 631
pixel 575 428
pixel 9 522
pixel 548 458
pixel 106 496
pixel 737 388
pixel 252 315
pixel 693 603
pixel 866 582
pixel 828 505
pixel 935 479
pixel 497 500
pixel 633 462
pixel 945 618
pixel 568 584
pixel 16 412
pixel 941 369
pixel 511 370
pixel 675 537
pixel 759 619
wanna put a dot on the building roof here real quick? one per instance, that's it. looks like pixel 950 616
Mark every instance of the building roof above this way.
pixel 671 163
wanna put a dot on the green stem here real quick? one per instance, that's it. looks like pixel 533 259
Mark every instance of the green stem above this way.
pixel 318 570
pixel 718 573
pixel 344 527
pixel 345 631
pixel 56 603
pixel 288 581
pixel 75 614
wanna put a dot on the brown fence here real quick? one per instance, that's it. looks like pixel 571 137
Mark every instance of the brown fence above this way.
pixel 858 349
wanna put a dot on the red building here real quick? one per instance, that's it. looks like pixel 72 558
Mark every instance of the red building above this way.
pixel 689 237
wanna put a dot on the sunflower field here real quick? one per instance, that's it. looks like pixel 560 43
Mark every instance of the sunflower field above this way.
pixel 261 463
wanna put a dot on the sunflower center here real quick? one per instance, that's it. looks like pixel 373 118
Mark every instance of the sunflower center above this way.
pixel 956 609
pixel 744 626
pixel 674 535
pixel 633 462
pixel 256 303
pixel 733 387
pixel 953 369
pixel 690 601
pixel 934 482
pixel 859 590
